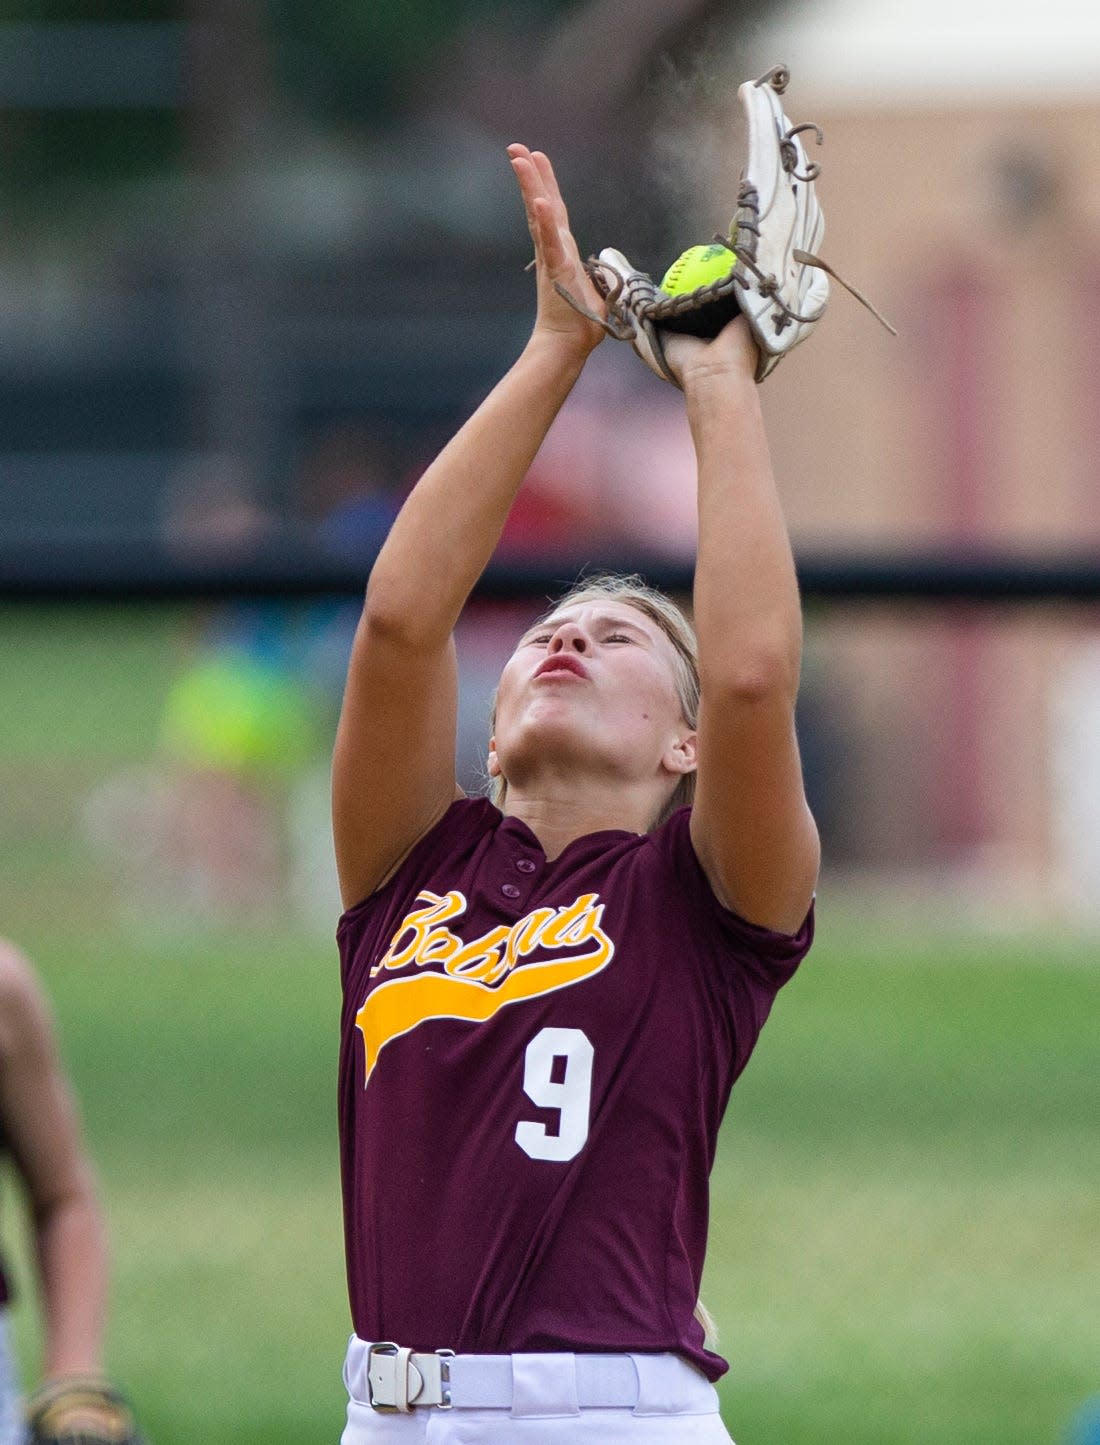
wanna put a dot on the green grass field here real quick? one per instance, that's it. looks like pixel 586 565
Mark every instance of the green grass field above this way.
pixel 905 1241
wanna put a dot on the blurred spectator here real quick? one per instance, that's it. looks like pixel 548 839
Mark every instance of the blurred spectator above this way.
pixel 346 492
pixel 237 724
pixel 201 831
pixel 210 508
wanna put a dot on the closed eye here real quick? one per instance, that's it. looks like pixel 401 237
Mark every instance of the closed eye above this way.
pixel 618 637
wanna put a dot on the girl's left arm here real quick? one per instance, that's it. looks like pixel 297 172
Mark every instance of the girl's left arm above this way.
pixel 751 826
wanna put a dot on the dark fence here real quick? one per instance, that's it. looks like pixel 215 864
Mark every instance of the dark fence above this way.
pixel 134 569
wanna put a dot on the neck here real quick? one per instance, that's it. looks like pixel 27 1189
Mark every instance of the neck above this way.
pixel 557 820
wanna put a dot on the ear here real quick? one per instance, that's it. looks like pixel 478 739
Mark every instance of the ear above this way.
pixel 493 762
pixel 682 754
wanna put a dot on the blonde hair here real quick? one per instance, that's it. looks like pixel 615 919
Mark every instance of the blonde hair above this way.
pixel 674 623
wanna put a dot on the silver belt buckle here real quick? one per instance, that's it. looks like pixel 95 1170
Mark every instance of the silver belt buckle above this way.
pixel 399 1380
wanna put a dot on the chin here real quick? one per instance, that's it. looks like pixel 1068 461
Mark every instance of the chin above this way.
pixel 546 732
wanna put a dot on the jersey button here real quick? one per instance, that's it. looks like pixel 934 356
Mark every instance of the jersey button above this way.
pixel 509 890
pixel 526 865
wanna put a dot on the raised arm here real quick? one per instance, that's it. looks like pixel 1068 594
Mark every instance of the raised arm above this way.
pixel 393 769
pixel 751 826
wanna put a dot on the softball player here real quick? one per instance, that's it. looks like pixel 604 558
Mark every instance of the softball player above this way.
pixel 548 996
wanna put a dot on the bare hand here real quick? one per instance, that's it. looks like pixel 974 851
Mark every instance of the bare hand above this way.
pixel 733 352
pixel 557 258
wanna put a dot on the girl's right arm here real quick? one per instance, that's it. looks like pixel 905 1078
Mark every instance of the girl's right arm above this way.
pixel 393 769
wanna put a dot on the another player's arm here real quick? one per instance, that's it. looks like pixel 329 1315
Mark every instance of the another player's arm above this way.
pixel 42 1129
pixel 751 826
pixel 393 769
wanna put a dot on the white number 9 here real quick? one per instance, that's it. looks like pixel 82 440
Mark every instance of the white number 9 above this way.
pixel 571 1094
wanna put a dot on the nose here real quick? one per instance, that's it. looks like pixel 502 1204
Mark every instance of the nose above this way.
pixel 568 637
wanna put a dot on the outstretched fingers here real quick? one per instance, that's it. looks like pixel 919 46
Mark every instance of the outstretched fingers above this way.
pixel 558 264
pixel 546 217
pixel 538 175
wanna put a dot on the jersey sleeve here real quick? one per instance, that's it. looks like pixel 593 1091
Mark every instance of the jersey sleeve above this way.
pixel 747 964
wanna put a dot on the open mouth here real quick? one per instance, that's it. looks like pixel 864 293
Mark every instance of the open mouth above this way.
pixel 562 664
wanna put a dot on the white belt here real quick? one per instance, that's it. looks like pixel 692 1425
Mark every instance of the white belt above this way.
pixel 389 1378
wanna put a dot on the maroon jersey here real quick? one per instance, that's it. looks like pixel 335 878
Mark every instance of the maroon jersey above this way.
pixel 535 1060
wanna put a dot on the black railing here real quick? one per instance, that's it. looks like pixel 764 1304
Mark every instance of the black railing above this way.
pixel 48 568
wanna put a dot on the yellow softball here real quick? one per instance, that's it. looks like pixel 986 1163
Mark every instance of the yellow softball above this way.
pixel 698 266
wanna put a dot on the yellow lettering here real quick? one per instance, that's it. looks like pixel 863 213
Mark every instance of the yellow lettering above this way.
pixel 480 958
pixel 525 935
pixel 575 924
pixel 417 924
